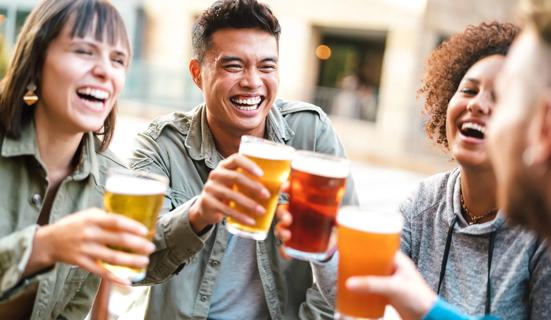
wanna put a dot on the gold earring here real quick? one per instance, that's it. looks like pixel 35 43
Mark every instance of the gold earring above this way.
pixel 30 97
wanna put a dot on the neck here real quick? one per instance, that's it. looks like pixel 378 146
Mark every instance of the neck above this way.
pixel 57 149
pixel 227 141
pixel 478 188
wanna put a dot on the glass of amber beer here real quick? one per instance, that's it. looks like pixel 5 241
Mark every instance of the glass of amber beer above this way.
pixel 317 186
pixel 367 242
pixel 275 161
pixel 136 195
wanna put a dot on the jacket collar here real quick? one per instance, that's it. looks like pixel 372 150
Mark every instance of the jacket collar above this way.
pixel 26 145
pixel 200 142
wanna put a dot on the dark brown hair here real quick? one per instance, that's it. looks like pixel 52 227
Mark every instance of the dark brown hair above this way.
pixel 42 26
pixel 448 64
pixel 238 14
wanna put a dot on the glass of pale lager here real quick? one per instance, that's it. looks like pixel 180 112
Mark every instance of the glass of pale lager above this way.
pixel 275 161
pixel 367 242
pixel 317 186
pixel 136 195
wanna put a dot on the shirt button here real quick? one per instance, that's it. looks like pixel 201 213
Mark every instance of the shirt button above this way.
pixel 204 298
pixel 214 263
pixel 36 200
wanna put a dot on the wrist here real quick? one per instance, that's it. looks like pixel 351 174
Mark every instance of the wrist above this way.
pixel 195 220
pixel 41 253
pixel 427 302
pixel 42 245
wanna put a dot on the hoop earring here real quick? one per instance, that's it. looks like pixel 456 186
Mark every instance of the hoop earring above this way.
pixel 30 97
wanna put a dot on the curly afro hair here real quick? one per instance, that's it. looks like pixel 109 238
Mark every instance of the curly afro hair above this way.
pixel 448 64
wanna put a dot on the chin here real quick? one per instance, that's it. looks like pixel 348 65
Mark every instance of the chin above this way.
pixel 526 204
pixel 473 161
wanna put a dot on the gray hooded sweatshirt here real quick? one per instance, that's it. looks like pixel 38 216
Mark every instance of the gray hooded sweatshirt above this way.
pixel 520 265
pixel 520 274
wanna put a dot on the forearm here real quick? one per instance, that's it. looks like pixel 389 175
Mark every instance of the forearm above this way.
pixel 177 243
pixel 41 252
pixel 443 310
pixel 16 253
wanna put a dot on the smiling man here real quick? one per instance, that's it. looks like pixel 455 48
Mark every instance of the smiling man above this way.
pixel 520 133
pixel 207 272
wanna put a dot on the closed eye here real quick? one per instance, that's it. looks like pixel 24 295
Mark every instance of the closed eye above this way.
pixel 83 51
pixel 233 67
pixel 268 68
pixel 468 91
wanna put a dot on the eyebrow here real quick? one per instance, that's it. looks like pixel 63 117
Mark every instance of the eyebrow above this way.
pixel 476 81
pixel 226 59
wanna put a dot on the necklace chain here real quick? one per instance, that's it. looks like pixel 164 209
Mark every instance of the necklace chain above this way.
pixel 472 219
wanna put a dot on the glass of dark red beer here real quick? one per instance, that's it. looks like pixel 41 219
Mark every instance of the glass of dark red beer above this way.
pixel 317 186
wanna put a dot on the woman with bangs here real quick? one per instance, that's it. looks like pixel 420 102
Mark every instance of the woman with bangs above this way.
pixel 57 114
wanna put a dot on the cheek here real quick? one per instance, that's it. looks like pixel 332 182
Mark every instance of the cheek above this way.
pixel 120 81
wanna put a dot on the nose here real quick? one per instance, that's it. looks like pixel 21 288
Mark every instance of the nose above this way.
pixel 103 68
pixel 483 103
pixel 251 79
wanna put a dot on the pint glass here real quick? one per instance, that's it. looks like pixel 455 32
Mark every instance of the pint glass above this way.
pixel 317 187
pixel 275 160
pixel 367 243
pixel 138 196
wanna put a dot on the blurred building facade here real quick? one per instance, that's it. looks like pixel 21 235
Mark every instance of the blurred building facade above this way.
pixel 360 60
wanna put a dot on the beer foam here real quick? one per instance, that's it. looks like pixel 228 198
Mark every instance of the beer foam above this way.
pixel 134 185
pixel 271 151
pixel 362 219
pixel 321 166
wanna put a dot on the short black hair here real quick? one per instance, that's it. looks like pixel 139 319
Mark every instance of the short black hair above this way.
pixel 237 14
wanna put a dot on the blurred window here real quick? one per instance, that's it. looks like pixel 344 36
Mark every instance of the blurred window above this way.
pixel 350 65
pixel 20 17
pixel 3 19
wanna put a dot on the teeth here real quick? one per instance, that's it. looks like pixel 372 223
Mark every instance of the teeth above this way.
pixel 246 108
pixel 253 101
pixel 473 126
pixel 96 93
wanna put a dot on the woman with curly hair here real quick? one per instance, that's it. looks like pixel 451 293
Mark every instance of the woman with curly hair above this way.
pixel 453 231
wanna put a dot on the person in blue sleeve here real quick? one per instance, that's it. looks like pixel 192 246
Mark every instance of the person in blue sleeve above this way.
pixel 519 142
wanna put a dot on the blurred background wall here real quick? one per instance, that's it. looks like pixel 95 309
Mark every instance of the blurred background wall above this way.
pixel 360 60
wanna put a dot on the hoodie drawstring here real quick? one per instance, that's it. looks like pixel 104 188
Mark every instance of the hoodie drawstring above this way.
pixel 488 309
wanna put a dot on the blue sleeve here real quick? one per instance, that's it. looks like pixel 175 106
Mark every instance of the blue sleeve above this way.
pixel 443 310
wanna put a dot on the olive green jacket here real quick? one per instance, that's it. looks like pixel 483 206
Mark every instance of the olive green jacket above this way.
pixel 64 291
pixel 185 265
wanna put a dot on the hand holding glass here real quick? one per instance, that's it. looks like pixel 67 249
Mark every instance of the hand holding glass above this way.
pixel 136 195
pixel 275 161
pixel 367 242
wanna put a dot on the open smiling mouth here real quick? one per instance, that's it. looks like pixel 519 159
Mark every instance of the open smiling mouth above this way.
pixel 247 103
pixel 473 130
pixel 94 97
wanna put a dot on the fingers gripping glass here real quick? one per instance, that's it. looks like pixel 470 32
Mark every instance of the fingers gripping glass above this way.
pixel 275 161
pixel 367 242
pixel 136 195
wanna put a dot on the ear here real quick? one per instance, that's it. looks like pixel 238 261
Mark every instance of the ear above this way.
pixel 195 71
pixel 541 130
